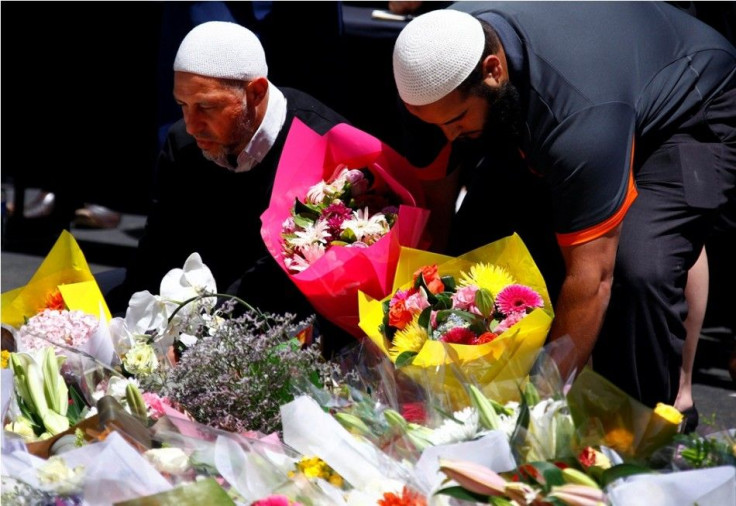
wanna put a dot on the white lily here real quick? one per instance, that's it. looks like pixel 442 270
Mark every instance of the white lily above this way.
pixel 38 392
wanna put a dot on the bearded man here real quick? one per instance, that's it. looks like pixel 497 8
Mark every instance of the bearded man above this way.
pixel 626 112
pixel 216 169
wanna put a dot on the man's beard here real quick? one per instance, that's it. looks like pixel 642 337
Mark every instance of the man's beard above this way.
pixel 504 121
pixel 224 154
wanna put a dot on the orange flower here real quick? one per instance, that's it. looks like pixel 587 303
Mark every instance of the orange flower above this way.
pixel 485 337
pixel 54 301
pixel 407 498
pixel 398 315
pixel 431 278
pixel 620 439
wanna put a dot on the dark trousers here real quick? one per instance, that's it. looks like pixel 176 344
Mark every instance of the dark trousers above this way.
pixel 686 183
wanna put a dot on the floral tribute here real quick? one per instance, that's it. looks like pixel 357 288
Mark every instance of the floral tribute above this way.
pixel 486 313
pixel 483 304
pixel 346 210
pixel 345 188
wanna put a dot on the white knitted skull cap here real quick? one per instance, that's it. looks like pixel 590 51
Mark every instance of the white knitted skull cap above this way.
pixel 434 54
pixel 222 49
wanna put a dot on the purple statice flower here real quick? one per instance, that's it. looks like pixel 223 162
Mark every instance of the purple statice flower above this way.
pixel 237 378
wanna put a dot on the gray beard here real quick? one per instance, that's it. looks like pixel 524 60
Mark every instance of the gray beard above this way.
pixel 243 129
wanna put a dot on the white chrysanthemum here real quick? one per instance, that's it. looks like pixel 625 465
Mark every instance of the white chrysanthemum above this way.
pixel 364 225
pixel 507 423
pixel 315 234
pixel 312 252
pixel 318 193
pixel 453 432
pixel 304 257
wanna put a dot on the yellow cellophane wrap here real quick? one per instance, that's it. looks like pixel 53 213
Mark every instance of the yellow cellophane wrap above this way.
pixel 606 415
pixel 496 367
pixel 64 269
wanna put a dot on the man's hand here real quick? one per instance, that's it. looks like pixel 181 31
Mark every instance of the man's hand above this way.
pixel 584 297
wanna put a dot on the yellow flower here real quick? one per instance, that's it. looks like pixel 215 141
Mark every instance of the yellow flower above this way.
pixel 5 359
pixel 314 467
pixel 491 277
pixel 411 338
pixel 669 413
pixel 336 480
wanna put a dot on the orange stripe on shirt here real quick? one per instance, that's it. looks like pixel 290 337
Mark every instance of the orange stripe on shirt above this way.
pixel 602 228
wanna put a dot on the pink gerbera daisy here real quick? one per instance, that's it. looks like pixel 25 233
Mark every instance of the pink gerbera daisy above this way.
pixel 517 299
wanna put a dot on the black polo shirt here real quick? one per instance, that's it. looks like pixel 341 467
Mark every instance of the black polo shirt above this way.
pixel 598 78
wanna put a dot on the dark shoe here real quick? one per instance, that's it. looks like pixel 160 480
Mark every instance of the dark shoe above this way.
pixel 690 422
pixel 94 216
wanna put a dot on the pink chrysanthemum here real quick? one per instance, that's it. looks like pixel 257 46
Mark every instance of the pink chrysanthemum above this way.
pixel 517 299
pixel 508 322
pixel 458 335
pixel 335 214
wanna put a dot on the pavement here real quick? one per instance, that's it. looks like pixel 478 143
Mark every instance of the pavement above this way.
pixel 713 388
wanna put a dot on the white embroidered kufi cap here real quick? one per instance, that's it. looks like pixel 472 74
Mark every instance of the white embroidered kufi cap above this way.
pixel 434 54
pixel 222 49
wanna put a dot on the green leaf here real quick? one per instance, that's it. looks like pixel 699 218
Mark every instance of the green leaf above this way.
pixel 443 301
pixel 621 471
pixel 551 474
pixel 305 210
pixel 449 283
pixel 348 236
pixel 405 358
pixel 76 405
pixel 424 319
pixel 206 491
pixel 484 301
pixel 461 493
pixel 303 222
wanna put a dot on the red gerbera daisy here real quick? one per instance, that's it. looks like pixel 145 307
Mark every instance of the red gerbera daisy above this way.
pixel 458 335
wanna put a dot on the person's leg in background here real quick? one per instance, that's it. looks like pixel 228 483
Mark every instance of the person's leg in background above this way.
pixel 696 294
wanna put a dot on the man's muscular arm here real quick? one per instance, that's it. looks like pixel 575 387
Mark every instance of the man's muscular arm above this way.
pixel 584 297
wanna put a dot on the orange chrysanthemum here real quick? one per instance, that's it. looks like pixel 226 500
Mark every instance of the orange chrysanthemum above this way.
pixel 54 301
pixel 407 498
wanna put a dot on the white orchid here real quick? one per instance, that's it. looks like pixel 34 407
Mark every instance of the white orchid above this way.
pixel 194 280
pixel 148 314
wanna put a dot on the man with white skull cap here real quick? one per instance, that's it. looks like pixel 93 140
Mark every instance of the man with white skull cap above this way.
pixel 626 112
pixel 217 166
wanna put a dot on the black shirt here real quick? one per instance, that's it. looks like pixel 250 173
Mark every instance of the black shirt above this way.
pixel 597 79
pixel 198 206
